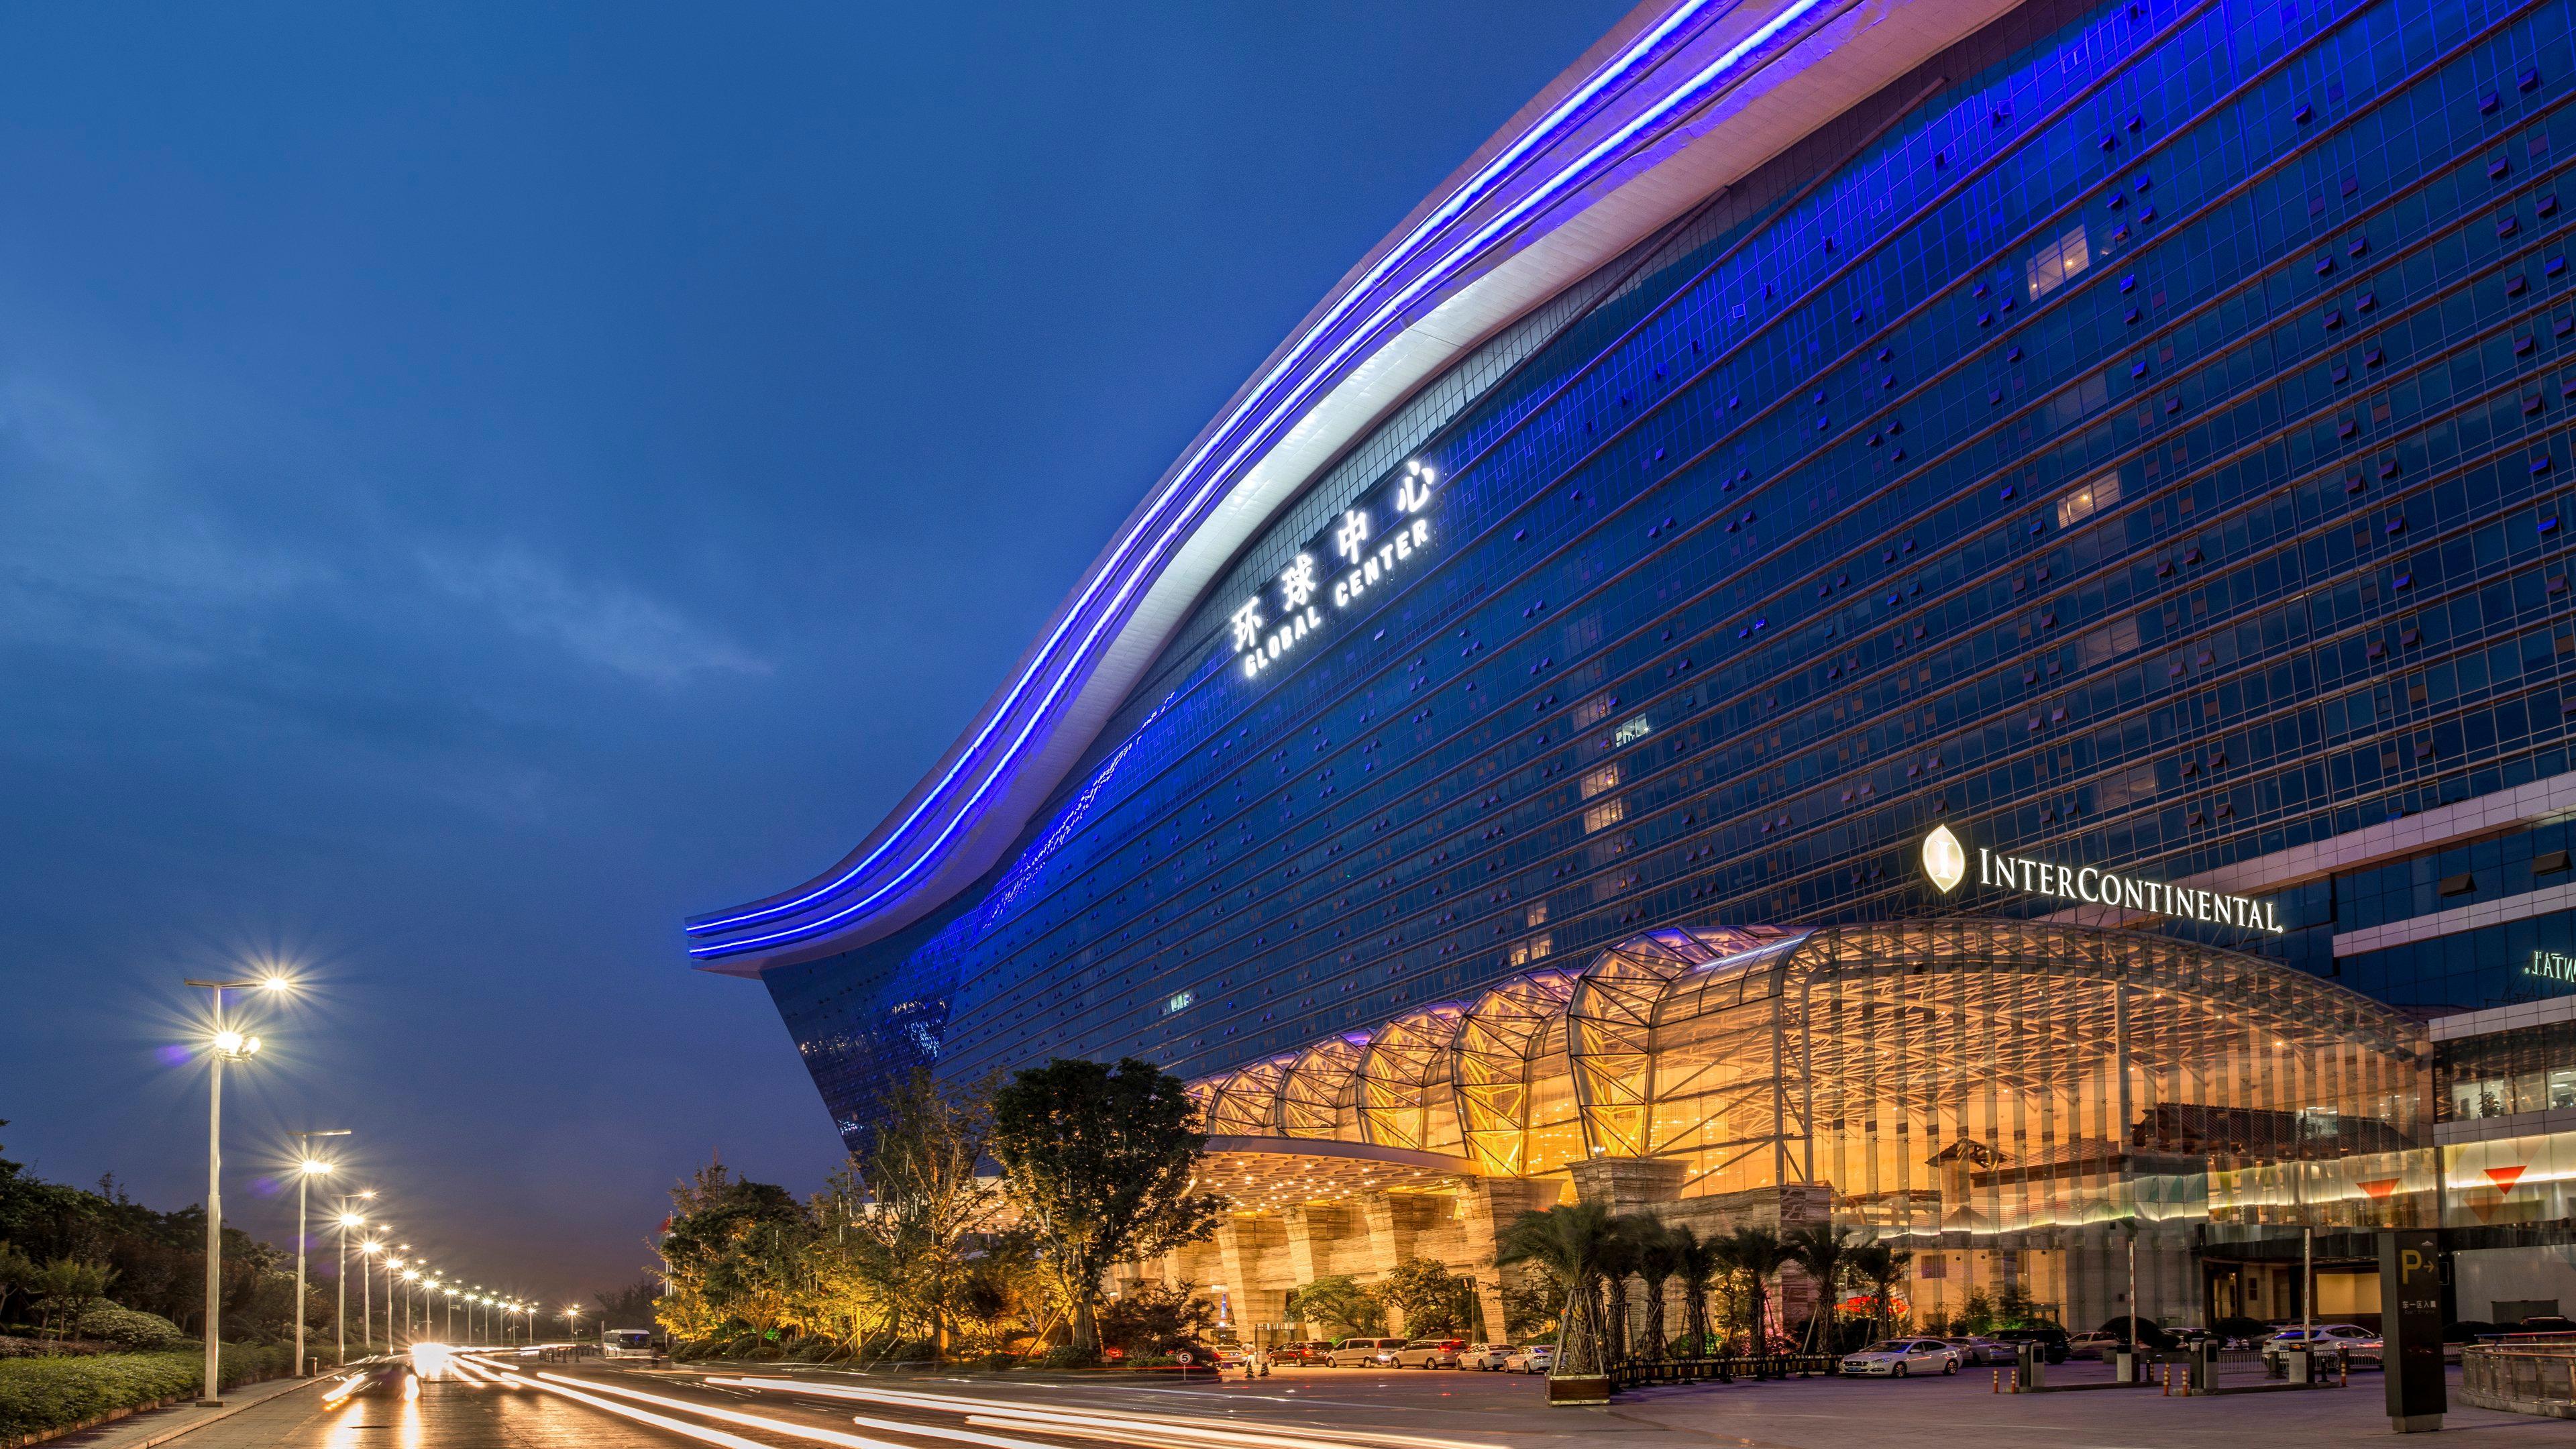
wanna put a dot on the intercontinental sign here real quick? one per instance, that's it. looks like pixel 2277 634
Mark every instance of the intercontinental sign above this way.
pixel 1945 861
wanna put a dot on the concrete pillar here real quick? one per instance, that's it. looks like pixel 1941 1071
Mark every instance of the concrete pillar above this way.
pixel 1386 1245
pixel 1628 1184
pixel 1487 1206
pixel 1303 1229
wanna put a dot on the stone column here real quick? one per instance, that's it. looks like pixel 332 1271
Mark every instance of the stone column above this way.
pixel 1628 1184
pixel 1486 1206
pixel 1304 1225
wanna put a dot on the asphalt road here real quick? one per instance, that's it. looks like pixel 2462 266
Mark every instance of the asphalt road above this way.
pixel 582 1407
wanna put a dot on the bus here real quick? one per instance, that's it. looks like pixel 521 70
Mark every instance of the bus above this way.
pixel 629 1343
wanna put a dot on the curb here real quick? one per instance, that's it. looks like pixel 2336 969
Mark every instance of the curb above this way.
pixel 175 1430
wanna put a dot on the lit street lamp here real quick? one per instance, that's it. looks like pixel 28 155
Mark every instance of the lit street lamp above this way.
pixel 340 1315
pixel 572 1329
pixel 224 1045
pixel 307 1169
pixel 367 1293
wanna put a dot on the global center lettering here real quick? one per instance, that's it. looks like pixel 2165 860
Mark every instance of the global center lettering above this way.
pixel 1366 556
pixel 1943 859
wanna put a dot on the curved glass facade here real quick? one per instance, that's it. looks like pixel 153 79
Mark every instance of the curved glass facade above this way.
pixel 2138 437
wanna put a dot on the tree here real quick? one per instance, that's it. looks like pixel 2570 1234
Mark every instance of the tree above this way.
pixel 1099 1160
pixel 1570 1243
pixel 630 1305
pixel 733 1255
pixel 1533 1306
pixel 1340 1302
pixel 1432 1299
pixel 1658 1250
pixel 1157 1322
pixel 17 1270
pixel 1755 1253
pixel 1823 1251
pixel 1699 1263
pixel 1881 1267
pixel 65 1288
pixel 1618 1264
pixel 927 1210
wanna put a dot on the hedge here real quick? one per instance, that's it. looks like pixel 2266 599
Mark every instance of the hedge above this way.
pixel 37 1394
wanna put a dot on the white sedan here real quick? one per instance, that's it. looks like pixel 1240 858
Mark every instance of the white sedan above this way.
pixel 1901 1357
pixel 1488 1356
pixel 1536 1358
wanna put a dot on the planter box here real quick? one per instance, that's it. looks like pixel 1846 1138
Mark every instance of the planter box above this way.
pixel 1579 1389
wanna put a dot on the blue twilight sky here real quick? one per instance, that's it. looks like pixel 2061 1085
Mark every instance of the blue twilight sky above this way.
pixel 478 482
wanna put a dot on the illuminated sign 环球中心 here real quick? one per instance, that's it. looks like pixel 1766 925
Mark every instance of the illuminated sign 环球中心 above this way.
pixel 1366 555
pixel 1945 861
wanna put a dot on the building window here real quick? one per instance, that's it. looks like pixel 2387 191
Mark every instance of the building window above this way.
pixel 1630 732
pixel 1538 913
pixel 1536 948
pixel 2088 500
pixel 1604 815
pixel 1601 780
pixel 2058 263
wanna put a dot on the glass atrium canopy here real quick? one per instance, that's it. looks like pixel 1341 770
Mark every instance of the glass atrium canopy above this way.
pixel 1959 1074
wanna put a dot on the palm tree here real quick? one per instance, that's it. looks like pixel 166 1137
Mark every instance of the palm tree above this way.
pixel 1618 1263
pixel 1657 1261
pixel 1569 1243
pixel 1881 1267
pixel 1757 1253
pixel 1699 1263
pixel 1825 1253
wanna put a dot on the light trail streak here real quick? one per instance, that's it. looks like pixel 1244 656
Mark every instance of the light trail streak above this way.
pixel 699 1432
pixel 1156 1429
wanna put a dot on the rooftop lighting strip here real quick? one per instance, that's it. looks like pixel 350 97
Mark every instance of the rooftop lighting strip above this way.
pixel 1476 189
pixel 1510 218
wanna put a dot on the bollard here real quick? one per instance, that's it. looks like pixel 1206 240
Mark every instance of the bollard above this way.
pixel 1997 1386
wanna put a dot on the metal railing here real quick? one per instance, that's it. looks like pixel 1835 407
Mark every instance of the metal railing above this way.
pixel 1636 1373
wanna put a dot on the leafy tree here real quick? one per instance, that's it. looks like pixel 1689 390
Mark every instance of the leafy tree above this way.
pixel 1157 1322
pixel 1976 1313
pixel 1881 1267
pixel 1823 1251
pixel 1099 1161
pixel 2013 1306
pixel 1571 1243
pixel 1433 1300
pixel 65 1288
pixel 1340 1302
pixel 732 1256
pixel 16 1270
pixel 1533 1306
pixel 929 1208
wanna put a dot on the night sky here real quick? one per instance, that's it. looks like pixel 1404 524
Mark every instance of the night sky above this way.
pixel 478 483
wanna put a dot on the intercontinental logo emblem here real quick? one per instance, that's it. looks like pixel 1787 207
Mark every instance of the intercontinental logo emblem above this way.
pixel 1945 862
pixel 1943 859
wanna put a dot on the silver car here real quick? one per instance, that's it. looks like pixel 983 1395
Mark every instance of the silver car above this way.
pixel 1365 1353
pixel 1898 1358
pixel 1487 1357
pixel 1535 1358
pixel 1430 1353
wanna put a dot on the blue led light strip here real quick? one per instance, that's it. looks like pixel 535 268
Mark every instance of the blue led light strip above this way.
pixel 1128 580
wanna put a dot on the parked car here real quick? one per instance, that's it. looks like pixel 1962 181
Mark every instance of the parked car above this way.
pixel 2545 1323
pixel 1364 1352
pixel 1305 1351
pixel 1431 1353
pixel 1977 1351
pixel 1487 1357
pixel 1902 1357
pixel 2096 1345
pixel 1531 1358
pixel 2350 1342
pixel 2051 1339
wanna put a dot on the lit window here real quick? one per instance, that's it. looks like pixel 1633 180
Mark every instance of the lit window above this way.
pixel 2088 500
pixel 1180 1002
pixel 1604 815
pixel 2058 263
pixel 1605 778
pixel 1538 913
pixel 1629 733
pixel 1536 948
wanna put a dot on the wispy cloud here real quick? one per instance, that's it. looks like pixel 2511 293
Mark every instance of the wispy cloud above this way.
pixel 608 624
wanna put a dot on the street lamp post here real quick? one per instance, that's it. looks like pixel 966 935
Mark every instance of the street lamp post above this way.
pixel 340 1315
pixel 572 1328
pixel 226 1045
pixel 367 1294
pixel 307 1168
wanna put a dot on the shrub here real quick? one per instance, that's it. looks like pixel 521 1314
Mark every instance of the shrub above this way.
pixel 128 1328
pixel 1067 1356
pixel 38 1394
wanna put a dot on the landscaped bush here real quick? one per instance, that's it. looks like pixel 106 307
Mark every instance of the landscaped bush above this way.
pixel 48 1393
pixel 1067 1356
pixel 128 1328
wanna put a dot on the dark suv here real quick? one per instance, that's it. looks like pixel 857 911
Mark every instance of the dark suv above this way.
pixel 2052 1340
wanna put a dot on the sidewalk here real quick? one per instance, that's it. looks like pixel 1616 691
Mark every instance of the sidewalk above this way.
pixel 270 1411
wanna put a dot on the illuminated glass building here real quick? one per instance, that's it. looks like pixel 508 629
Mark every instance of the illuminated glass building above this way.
pixel 2132 437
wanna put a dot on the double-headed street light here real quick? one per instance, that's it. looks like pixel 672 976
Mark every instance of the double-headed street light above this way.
pixel 224 1044
pixel 572 1328
pixel 367 1292
pixel 308 1167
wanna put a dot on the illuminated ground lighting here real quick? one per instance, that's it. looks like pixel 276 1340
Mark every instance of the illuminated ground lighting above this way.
pixel 1101 1423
